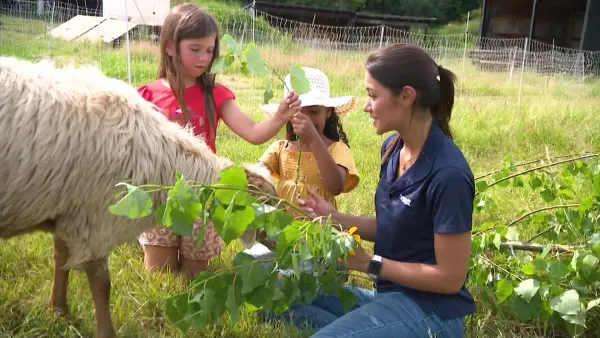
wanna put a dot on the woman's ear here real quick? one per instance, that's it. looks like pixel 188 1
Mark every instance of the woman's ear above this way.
pixel 408 96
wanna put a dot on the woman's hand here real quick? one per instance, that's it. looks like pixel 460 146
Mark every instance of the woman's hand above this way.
pixel 289 106
pixel 360 260
pixel 316 206
pixel 304 128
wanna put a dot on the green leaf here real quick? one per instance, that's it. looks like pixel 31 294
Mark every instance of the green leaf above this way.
pixel 590 260
pixel 497 241
pixel 481 186
pixel 518 182
pixel 527 288
pixel 534 181
pixel 348 298
pixel 237 223
pixel 176 309
pixel 135 204
pixel 529 269
pixel 523 310
pixel 569 307
pixel 268 94
pixel 221 63
pixel 253 275
pixel 300 83
pixel 546 250
pixel 558 270
pixel 504 289
pixel 254 62
pixel 233 178
pixel 592 303
pixel 231 46
pixel 234 300
pixel 182 208
pixel 567 303
pixel 540 264
pixel 512 234
pixel 548 195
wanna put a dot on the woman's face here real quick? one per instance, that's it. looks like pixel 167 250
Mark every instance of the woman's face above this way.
pixel 388 110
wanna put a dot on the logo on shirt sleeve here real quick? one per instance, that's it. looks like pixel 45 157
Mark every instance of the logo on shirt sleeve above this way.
pixel 405 200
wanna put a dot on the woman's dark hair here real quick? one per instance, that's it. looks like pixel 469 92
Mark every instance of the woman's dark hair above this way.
pixel 333 130
pixel 400 65
pixel 188 21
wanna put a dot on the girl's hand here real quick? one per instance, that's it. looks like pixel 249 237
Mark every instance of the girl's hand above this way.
pixel 288 107
pixel 316 206
pixel 304 128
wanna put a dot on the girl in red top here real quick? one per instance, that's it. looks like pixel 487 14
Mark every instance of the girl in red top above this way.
pixel 186 93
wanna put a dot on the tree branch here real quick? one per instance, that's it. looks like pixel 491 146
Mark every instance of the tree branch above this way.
pixel 521 164
pixel 523 246
pixel 541 167
pixel 561 206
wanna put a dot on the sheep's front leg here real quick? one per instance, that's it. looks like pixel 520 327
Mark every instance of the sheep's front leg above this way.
pixel 58 297
pixel 99 281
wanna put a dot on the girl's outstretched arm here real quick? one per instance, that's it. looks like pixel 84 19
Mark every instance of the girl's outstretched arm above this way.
pixel 259 133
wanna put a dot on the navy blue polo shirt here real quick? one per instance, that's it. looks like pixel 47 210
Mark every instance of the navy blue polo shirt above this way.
pixel 435 195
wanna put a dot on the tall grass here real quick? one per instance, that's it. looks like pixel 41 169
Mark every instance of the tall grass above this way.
pixel 555 116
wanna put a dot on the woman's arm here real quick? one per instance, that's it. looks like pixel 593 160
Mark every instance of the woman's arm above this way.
pixel 258 133
pixel 446 276
pixel 366 226
pixel 451 196
pixel 317 206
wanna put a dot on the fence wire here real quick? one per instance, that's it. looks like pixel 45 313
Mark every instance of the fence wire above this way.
pixel 486 67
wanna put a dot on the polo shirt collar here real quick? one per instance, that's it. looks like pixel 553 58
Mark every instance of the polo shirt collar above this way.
pixel 422 166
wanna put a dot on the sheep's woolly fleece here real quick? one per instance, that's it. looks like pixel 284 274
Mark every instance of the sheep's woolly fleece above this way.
pixel 67 137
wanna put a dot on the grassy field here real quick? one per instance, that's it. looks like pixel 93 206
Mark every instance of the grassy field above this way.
pixel 555 116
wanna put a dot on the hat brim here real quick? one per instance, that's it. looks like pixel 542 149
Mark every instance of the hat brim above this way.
pixel 343 104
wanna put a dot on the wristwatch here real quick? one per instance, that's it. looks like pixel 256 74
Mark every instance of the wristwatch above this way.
pixel 374 267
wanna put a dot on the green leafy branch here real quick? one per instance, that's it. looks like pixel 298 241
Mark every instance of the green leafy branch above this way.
pixel 304 263
pixel 251 63
pixel 556 283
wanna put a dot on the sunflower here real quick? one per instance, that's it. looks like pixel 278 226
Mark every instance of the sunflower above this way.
pixel 355 236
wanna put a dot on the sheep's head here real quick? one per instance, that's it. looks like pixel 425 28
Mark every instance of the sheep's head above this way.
pixel 259 180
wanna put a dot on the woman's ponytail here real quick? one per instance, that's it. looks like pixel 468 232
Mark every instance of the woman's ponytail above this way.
pixel 442 111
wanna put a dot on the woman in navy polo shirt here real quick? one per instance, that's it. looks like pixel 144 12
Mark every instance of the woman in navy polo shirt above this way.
pixel 424 207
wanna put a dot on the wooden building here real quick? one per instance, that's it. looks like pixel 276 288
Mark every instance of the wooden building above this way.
pixel 562 23
pixel 340 17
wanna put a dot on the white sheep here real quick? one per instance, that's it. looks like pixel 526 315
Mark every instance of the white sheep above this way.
pixel 67 136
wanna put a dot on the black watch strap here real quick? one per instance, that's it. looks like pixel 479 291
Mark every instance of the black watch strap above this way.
pixel 374 267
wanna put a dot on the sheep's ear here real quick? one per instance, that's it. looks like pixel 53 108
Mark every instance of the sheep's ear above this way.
pixel 258 169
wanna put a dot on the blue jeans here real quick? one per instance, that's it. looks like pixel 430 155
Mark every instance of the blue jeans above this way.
pixel 381 315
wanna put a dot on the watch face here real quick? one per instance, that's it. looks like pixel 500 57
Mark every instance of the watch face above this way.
pixel 374 267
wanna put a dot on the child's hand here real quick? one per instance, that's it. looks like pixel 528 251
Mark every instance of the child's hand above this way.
pixel 288 106
pixel 304 128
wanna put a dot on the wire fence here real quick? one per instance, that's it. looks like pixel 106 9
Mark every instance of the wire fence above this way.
pixel 510 69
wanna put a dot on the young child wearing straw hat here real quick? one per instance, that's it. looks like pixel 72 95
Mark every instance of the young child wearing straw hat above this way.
pixel 327 166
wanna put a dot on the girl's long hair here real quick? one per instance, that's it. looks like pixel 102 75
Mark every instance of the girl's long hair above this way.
pixel 188 21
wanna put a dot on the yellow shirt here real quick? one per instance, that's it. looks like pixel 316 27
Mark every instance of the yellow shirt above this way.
pixel 283 163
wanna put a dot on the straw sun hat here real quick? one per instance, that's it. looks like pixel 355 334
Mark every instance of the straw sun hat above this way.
pixel 318 95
